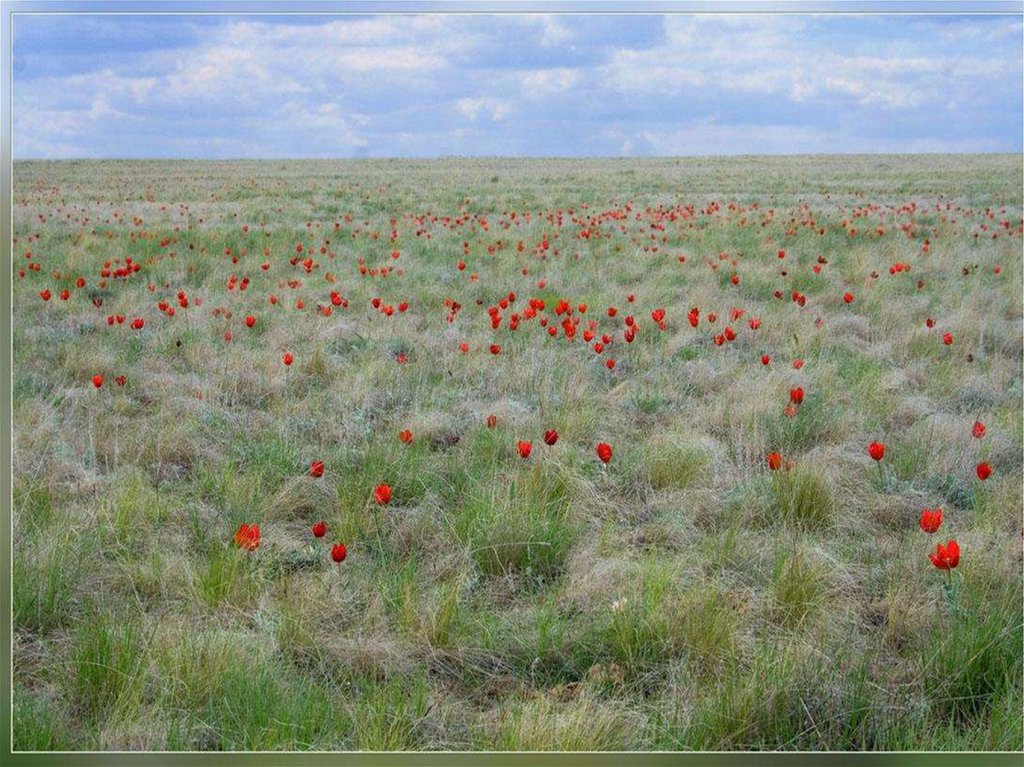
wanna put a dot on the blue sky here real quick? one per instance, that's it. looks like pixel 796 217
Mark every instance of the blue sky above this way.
pixel 540 85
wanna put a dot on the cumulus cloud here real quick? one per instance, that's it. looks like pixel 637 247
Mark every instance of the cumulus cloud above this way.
pixel 496 109
pixel 513 84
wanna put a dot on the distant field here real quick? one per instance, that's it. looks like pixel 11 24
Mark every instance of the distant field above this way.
pixel 739 573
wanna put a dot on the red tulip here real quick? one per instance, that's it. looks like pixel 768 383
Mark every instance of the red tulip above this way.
pixel 250 321
pixel 319 529
pixel 121 380
pixel 338 552
pixel 848 298
pixel 796 395
pixel 774 460
pixel 492 421
pixel 316 469
pixel 604 452
pixel 248 536
pixel 550 437
pixel 946 557
pixel 45 295
pixel 97 380
pixel 984 471
pixel 978 431
pixel 382 494
pixel 138 323
pixel 931 520
pixel 495 349
pixel 947 339
pixel 405 436
pixel 765 359
pixel 524 448
pixel 287 359
pixel 876 450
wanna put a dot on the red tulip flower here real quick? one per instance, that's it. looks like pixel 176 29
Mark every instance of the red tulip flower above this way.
pixel 319 529
pixel 796 395
pixel 250 321
pixel 604 452
pixel 876 450
pixel 848 298
pixel 550 437
pixel 931 520
pixel 947 339
pixel 492 421
pixel 382 494
pixel 97 380
pixel 405 436
pixel 138 323
pixel 248 536
pixel 946 557
pixel 978 431
pixel 984 471
pixel 338 552
pixel 524 448
pixel 774 461
pixel 316 469
pixel 287 359
pixel 765 359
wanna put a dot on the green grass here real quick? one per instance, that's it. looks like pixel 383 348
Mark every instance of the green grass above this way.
pixel 683 596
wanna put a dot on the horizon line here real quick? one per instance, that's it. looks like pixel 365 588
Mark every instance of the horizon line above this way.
pixel 435 158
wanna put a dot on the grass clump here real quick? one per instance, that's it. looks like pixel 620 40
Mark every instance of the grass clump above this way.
pixel 519 524
pixel 802 497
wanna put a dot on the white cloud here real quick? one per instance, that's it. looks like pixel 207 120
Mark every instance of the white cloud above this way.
pixel 775 56
pixel 264 87
pixel 708 137
pixel 548 81
pixel 471 108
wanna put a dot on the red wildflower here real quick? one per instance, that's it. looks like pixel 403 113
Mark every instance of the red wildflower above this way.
pixel 248 536
pixel 382 494
pixel 931 520
pixel 946 557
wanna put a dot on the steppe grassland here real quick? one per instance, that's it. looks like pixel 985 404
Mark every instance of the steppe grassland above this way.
pixel 683 596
